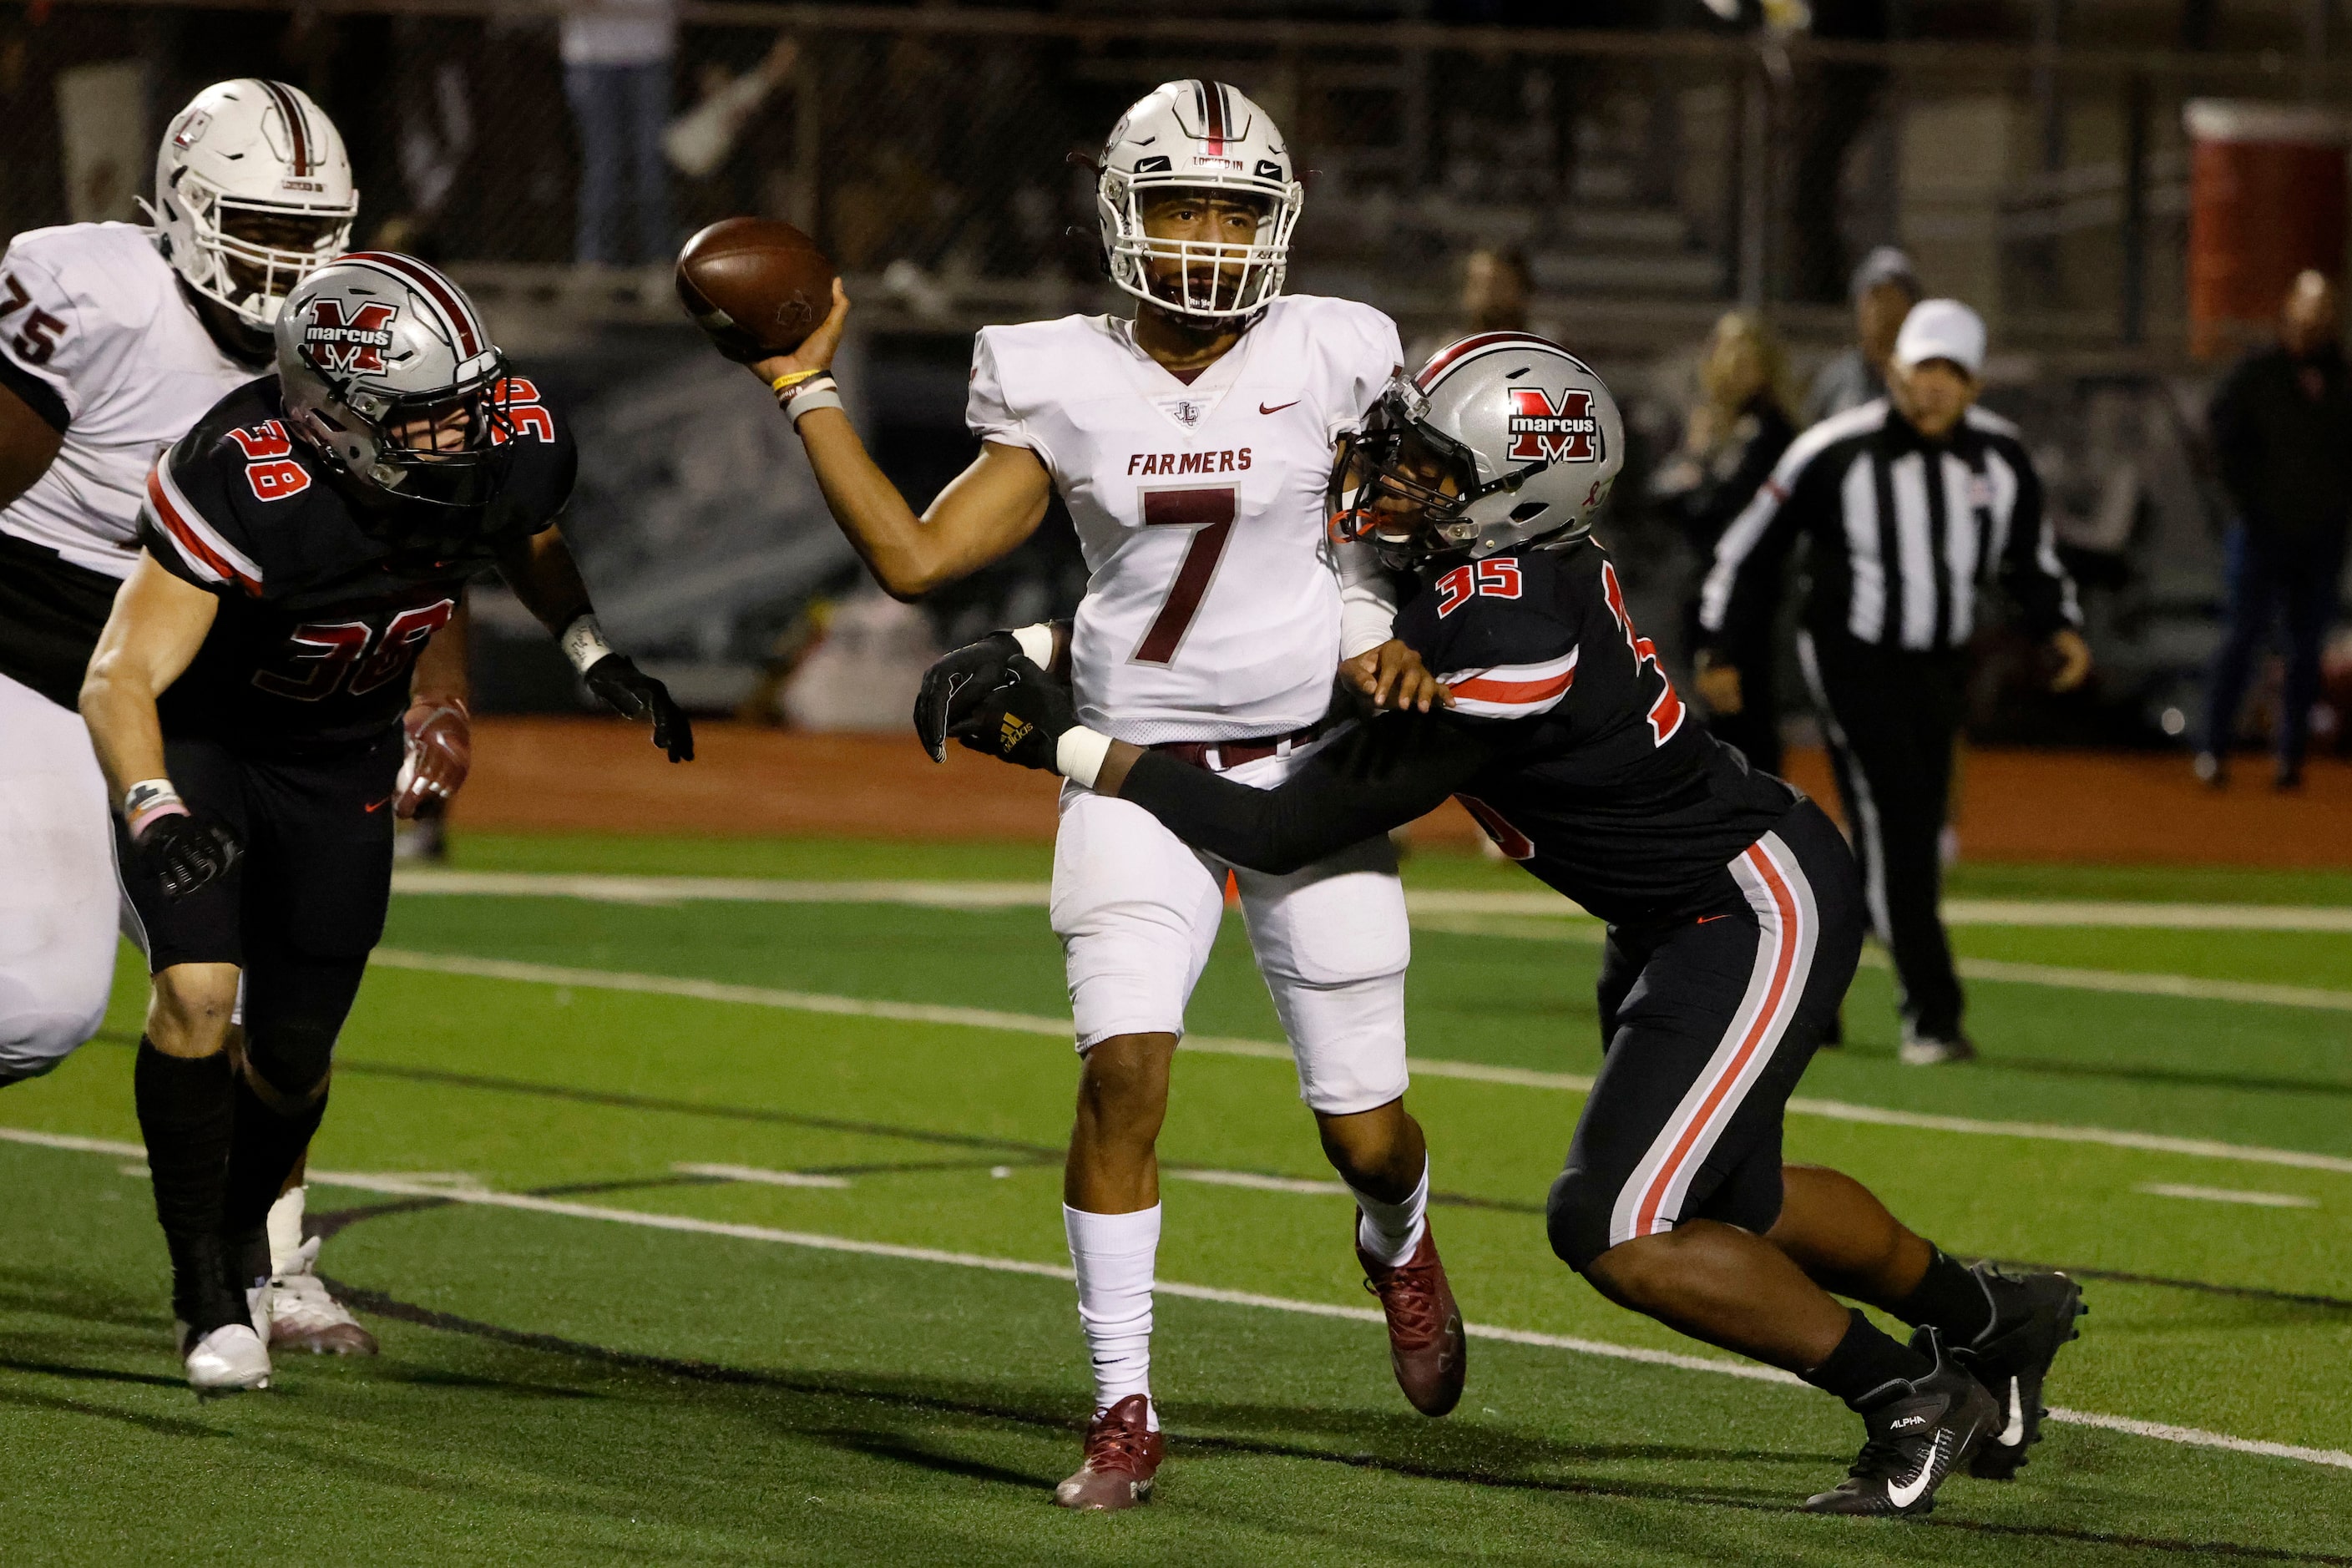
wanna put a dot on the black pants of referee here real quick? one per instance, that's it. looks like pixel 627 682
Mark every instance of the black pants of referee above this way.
pixel 1891 718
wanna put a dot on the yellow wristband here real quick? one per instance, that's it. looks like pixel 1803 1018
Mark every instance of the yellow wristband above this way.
pixel 794 379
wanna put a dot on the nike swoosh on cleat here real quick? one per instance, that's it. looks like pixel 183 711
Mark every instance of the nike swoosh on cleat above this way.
pixel 2014 1433
pixel 1910 1491
pixel 1278 408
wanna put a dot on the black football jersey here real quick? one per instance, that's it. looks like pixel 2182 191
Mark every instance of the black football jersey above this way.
pixel 1566 741
pixel 1600 781
pixel 324 602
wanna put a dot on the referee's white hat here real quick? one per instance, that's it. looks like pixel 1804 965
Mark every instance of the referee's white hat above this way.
pixel 1942 329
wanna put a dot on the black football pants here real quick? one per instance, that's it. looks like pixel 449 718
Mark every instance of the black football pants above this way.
pixel 1890 719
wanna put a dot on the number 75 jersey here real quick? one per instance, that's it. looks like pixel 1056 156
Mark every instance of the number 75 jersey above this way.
pixel 1211 610
pixel 325 602
pixel 1607 787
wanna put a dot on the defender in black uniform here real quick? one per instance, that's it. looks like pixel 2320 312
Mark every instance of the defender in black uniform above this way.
pixel 1735 916
pixel 301 545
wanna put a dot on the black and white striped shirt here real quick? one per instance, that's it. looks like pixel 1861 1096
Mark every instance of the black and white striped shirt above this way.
pixel 1902 533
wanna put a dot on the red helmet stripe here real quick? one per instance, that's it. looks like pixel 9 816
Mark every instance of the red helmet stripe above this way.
pixel 1446 359
pixel 289 109
pixel 1212 109
pixel 464 327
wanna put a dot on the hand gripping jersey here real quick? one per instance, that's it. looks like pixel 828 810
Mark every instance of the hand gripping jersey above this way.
pixel 324 604
pixel 1211 611
pixel 96 338
pixel 1566 741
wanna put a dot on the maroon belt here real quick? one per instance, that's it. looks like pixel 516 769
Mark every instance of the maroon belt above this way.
pixel 1220 756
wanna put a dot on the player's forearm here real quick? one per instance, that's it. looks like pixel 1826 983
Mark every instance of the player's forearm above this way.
pixel 546 578
pixel 28 444
pixel 442 670
pixel 124 729
pixel 981 515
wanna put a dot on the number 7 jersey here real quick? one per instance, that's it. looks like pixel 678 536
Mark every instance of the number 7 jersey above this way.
pixel 1211 610
pixel 324 602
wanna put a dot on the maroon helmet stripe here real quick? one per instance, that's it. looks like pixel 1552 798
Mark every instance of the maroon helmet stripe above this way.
pixel 1213 103
pixel 290 109
pixel 1447 358
pixel 439 289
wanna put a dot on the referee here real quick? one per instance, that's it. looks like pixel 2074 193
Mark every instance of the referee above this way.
pixel 1908 504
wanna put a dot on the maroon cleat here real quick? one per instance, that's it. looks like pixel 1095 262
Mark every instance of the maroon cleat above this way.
pixel 1425 1339
pixel 1122 1458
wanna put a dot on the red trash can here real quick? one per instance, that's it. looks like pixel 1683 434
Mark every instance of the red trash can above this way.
pixel 2266 193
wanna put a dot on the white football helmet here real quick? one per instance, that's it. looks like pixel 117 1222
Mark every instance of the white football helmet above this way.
pixel 1198 135
pixel 373 343
pixel 253 192
pixel 1501 439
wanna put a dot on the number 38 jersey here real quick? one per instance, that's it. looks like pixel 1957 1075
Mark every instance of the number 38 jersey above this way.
pixel 324 602
pixel 1594 775
pixel 1211 610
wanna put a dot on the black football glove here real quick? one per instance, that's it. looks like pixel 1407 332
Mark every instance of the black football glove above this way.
pixel 634 694
pixel 184 853
pixel 1023 720
pixel 954 685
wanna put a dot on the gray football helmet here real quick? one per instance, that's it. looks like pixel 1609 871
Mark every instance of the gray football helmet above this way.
pixel 385 365
pixel 1502 439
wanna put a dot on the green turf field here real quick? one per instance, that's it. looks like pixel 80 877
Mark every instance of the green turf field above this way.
pixel 592 1355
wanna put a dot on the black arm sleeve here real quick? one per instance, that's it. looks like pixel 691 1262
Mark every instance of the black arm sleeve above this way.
pixel 1379 776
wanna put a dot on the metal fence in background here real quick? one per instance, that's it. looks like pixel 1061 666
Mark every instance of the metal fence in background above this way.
pixel 1649 178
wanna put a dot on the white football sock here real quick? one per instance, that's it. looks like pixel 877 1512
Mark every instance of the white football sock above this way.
pixel 1114 1255
pixel 1391 1231
pixel 285 1229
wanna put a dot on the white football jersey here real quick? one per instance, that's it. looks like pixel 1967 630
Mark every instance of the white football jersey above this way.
pixel 1211 610
pixel 93 312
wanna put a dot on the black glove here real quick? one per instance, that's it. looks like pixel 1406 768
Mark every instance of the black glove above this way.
pixel 1023 720
pixel 184 853
pixel 634 694
pixel 956 681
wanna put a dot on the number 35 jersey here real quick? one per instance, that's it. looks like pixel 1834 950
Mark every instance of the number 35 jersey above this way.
pixel 1211 610
pixel 324 602
pixel 1596 778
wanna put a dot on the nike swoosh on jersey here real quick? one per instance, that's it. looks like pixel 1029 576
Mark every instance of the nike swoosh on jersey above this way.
pixel 1909 1492
pixel 1704 919
pixel 374 806
pixel 2014 1433
pixel 1278 408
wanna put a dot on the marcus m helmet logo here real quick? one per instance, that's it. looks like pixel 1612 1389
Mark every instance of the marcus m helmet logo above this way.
pixel 1543 431
pixel 354 347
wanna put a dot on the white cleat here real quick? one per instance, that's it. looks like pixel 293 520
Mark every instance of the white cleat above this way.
pixel 303 1316
pixel 229 1359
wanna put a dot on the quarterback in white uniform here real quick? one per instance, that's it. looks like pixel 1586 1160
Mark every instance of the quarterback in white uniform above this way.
pixel 1192 445
pixel 114 341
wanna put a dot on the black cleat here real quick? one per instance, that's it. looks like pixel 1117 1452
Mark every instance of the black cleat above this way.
pixel 1916 1434
pixel 2034 1315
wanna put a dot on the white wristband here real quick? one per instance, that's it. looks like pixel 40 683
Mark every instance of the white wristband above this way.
pixel 1078 755
pixel 583 641
pixel 1036 644
pixel 824 394
pixel 148 799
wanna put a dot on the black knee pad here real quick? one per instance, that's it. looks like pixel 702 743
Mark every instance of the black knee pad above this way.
pixel 1575 1217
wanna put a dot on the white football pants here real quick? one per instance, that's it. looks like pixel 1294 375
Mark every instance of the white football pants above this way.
pixel 1138 909
pixel 58 898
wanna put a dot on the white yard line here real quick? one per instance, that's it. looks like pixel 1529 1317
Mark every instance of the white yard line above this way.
pixel 1475 1072
pixel 761 1175
pixel 2228 1196
pixel 396 1186
pixel 635 889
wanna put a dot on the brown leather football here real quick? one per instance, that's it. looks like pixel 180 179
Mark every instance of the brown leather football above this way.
pixel 757 287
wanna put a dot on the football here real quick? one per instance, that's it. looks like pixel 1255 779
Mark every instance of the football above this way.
pixel 757 287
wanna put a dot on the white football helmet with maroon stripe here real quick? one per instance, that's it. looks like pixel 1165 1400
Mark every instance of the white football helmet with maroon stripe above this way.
pixel 1502 439
pixel 246 165
pixel 378 354
pixel 1198 135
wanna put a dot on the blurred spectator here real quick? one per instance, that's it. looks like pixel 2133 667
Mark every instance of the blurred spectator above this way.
pixel 617 73
pixel 1495 288
pixel 1733 438
pixel 702 139
pixel 2282 426
pixel 1884 289
pixel 1833 100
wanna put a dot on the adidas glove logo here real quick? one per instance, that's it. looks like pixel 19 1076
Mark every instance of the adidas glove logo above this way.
pixel 1016 731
